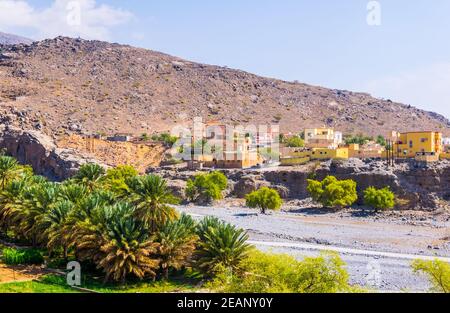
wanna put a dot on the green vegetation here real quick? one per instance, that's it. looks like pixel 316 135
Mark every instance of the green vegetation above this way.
pixel 379 199
pixel 13 256
pixel 264 199
pixel 126 234
pixel 115 222
pixel 381 140
pixel 358 139
pixel 221 246
pixel 58 284
pixel 206 188
pixel 333 193
pixel 438 272
pixel 273 273
pixel 294 142
pixel 165 138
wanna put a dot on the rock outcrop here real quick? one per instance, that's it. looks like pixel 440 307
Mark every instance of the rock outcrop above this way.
pixel 416 186
pixel 38 150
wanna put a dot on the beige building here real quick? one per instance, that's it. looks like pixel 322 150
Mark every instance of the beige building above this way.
pixel 322 138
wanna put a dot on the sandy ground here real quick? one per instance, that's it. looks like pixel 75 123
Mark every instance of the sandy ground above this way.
pixel 10 274
pixel 378 249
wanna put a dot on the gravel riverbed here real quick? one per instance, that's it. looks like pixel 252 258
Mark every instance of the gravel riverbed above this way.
pixel 378 248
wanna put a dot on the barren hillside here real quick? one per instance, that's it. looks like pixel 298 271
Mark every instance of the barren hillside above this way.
pixel 65 85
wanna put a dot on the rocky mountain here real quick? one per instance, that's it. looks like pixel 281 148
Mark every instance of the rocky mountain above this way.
pixel 9 39
pixel 66 85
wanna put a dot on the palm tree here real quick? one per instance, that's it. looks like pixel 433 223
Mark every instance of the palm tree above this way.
pixel 222 246
pixel 90 175
pixel 9 169
pixel 73 192
pixel 152 199
pixel 38 200
pixel 10 199
pixel 118 244
pixel 55 232
pixel 177 241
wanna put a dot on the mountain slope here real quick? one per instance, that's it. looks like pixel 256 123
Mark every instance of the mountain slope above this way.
pixel 64 85
pixel 9 39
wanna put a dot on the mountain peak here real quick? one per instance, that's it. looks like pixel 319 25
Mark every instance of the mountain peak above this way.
pixel 10 39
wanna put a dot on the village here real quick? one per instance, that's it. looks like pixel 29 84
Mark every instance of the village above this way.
pixel 216 147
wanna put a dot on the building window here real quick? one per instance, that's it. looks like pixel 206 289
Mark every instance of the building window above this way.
pixel 410 143
pixel 423 139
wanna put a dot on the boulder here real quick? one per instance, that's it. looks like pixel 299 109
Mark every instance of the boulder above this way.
pixel 248 184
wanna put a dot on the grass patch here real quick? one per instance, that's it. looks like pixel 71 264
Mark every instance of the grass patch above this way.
pixel 57 284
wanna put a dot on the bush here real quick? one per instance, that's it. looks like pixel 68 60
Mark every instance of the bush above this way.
pixel 295 142
pixel 22 256
pixel 221 247
pixel 438 273
pixel 206 188
pixel 379 199
pixel 333 193
pixel 282 273
pixel 264 199
pixel 165 138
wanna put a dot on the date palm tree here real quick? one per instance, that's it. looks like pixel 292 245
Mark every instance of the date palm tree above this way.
pixel 118 243
pixel 222 246
pixel 38 200
pixel 177 241
pixel 90 175
pixel 54 221
pixel 9 169
pixel 11 197
pixel 152 199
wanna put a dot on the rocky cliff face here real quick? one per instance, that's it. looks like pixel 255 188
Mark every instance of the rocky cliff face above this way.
pixel 416 186
pixel 39 151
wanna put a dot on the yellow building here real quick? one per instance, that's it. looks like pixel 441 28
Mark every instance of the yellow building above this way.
pixel 327 153
pixel 445 155
pixel 367 151
pixel 294 156
pixel 408 145
pixel 322 138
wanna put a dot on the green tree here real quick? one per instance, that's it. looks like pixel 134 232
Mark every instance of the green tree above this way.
pixel 118 243
pixel 295 142
pixel 381 140
pixel 281 273
pixel 9 169
pixel 176 244
pixel 90 175
pixel 205 188
pixel 264 199
pixel 221 246
pixel 55 233
pixel 153 200
pixel 379 199
pixel 333 193
pixel 438 273
pixel 116 179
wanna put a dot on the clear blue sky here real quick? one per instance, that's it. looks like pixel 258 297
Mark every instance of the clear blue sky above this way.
pixel 321 42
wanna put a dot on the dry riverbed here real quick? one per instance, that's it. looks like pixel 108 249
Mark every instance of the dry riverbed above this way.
pixel 377 247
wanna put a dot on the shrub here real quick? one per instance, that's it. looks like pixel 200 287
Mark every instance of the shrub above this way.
pixel 221 247
pixel 379 199
pixel 282 273
pixel 13 256
pixel 165 138
pixel 295 142
pixel 264 199
pixel 206 187
pixel 438 273
pixel 333 193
